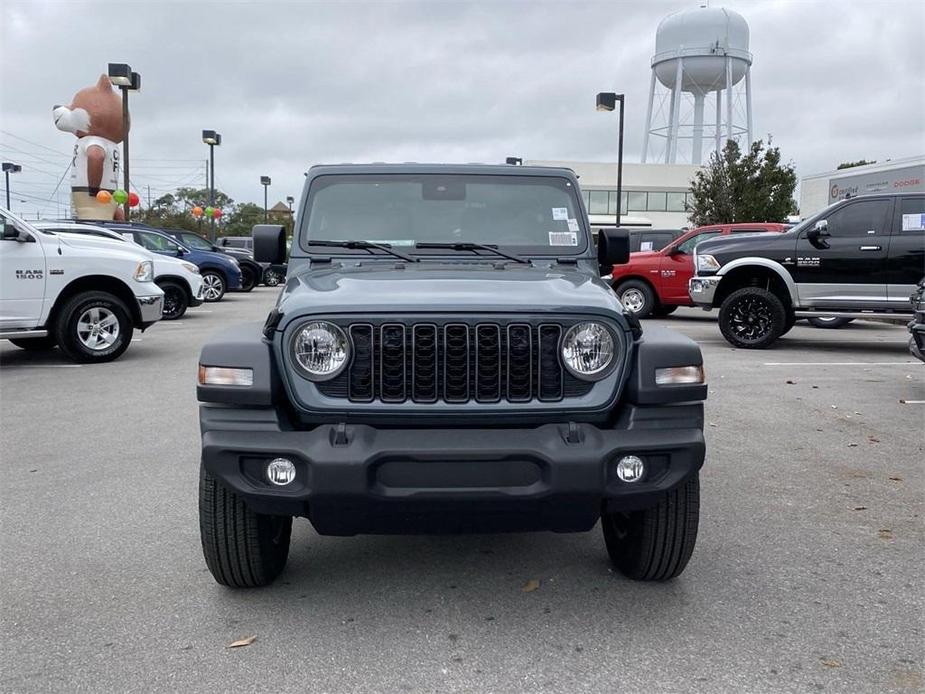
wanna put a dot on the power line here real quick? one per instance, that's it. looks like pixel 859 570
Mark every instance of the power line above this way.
pixel 34 144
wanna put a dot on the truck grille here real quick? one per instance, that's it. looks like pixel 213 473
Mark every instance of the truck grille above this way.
pixel 455 363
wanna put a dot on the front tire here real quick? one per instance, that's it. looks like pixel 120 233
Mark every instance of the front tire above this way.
pixel 637 297
pixel 93 327
pixel 752 318
pixel 213 286
pixel 271 278
pixel 242 549
pixel 248 278
pixel 656 543
pixel 36 344
pixel 829 322
pixel 176 300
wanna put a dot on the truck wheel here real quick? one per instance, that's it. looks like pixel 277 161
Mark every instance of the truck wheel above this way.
pixel 829 322
pixel 175 300
pixel 242 549
pixel 752 318
pixel 662 310
pixel 637 297
pixel 656 543
pixel 93 327
pixel 271 278
pixel 213 286
pixel 248 278
pixel 35 344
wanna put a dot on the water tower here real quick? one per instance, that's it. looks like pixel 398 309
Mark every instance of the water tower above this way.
pixel 699 53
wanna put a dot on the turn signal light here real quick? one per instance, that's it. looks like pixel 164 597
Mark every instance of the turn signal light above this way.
pixel 679 375
pixel 225 376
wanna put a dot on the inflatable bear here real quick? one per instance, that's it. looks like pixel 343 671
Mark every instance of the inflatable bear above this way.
pixel 95 117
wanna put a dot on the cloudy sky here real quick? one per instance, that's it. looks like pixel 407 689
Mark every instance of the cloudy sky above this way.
pixel 289 84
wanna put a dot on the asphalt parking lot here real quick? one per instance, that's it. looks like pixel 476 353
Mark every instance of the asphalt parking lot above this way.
pixel 807 575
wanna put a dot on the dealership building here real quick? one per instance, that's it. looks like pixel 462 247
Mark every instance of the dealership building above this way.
pixel 654 195
pixel 891 176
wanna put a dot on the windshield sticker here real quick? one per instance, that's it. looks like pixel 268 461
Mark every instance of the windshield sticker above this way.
pixel 395 242
pixel 913 222
pixel 645 246
pixel 559 214
pixel 573 225
pixel 563 238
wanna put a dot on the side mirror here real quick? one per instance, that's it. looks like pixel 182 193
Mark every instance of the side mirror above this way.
pixel 10 232
pixel 270 243
pixel 613 248
pixel 820 229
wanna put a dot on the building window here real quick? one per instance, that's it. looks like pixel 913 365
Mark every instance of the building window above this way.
pixel 586 196
pixel 636 202
pixel 599 199
pixel 676 202
pixel 656 202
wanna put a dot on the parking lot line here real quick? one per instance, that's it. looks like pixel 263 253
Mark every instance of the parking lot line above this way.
pixel 839 363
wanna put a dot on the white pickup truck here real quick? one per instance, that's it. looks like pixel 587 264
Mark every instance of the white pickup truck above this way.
pixel 85 298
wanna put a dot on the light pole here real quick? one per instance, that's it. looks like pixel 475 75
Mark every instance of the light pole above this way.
pixel 211 138
pixel 121 76
pixel 607 101
pixel 8 168
pixel 265 182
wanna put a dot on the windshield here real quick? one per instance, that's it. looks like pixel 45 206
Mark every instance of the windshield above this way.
pixel 194 241
pixel 537 215
pixel 804 224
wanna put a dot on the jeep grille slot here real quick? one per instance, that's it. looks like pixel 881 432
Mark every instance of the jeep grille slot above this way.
pixel 455 363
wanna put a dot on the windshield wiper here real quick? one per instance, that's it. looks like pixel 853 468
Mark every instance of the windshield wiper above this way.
pixel 466 246
pixel 366 245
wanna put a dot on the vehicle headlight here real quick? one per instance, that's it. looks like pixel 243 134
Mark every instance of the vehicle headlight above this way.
pixel 145 271
pixel 190 267
pixel 707 263
pixel 587 350
pixel 321 350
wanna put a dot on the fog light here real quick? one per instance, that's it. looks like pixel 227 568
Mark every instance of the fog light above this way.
pixel 281 471
pixel 630 468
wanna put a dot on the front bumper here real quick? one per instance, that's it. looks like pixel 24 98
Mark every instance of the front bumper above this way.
pixel 150 308
pixel 362 479
pixel 702 290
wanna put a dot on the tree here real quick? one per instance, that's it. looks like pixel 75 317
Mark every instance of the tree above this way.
pixel 242 219
pixel 852 164
pixel 754 187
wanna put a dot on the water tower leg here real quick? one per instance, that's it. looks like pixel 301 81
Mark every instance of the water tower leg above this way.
pixel 719 121
pixel 645 138
pixel 728 98
pixel 697 146
pixel 748 103
pixel 674 128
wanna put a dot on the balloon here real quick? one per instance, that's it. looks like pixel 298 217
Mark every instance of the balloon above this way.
pixel 104 196
pixel 197 211
pixel 120 196
pixel 133 200
pixel 209 211
pixel 217 213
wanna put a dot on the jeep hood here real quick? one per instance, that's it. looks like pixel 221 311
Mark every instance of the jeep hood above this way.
pixel 386 287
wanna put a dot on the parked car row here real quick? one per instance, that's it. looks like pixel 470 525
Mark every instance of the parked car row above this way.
pixel 85 287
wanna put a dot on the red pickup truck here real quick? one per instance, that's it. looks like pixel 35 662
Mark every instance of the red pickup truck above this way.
pixel 655 282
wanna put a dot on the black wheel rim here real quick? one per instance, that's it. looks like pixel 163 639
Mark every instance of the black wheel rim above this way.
pixel 172 302
pixel 750 319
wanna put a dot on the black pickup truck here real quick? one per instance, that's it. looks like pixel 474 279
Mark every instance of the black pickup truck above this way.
pixel 445 357
pixel 858 258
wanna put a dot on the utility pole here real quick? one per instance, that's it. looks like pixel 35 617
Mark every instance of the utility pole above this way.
pixel 149 197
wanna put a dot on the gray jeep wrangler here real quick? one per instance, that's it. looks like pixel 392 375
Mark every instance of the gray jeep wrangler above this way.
pixel 445 357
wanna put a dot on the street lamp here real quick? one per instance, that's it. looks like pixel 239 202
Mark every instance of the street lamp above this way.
pixel 121 76
pixel 514 161
pixel 265 182
pixel 8 168
pixel 607 101
pixel 211 138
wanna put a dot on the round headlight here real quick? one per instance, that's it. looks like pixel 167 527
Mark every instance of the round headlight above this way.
pixel 321 350
pixel 587 349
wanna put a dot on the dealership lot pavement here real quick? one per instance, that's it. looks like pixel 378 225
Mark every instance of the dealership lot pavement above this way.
pixel 807 575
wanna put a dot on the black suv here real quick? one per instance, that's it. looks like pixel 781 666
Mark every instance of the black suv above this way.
pixel 859 257
pixel 445 357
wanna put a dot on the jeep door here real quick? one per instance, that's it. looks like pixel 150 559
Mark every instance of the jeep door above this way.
pixel 905 264
pixel 22 276
pixel 845 266
pixel 677 267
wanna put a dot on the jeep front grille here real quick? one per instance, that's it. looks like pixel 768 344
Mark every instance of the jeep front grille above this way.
pixel 455 363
